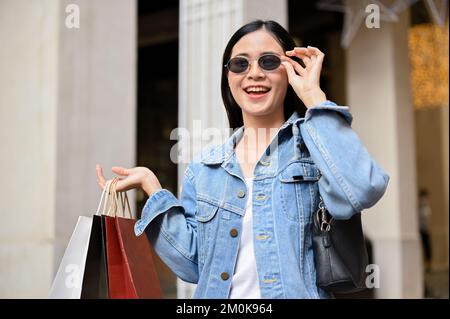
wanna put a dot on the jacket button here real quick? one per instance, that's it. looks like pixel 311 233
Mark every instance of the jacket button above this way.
pixel 233 232
pixel 224 276
pixel 241 193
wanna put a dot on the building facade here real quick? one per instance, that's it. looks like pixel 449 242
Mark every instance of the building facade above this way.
pixel 76 96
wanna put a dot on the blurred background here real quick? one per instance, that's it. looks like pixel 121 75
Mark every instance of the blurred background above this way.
pixel 106 81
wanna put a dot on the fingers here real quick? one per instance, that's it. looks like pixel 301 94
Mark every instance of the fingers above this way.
pixel 289 70
pixel 315 51
pixel 306 60
pixel 313 60
pixel 302 53
pixel 101 181
pixel 121 171
pixel 298 50
pixel 311 56
pixel 308 51
pixel 316 57
pixel 297 67
pixel 122 186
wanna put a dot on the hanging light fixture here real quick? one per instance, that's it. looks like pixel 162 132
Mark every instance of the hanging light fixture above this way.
pixel 428 54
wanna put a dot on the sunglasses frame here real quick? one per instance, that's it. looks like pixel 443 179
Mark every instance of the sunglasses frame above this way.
pixel 250 65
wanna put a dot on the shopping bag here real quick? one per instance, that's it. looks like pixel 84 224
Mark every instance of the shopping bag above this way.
pixel 69 277
pixel 131 270
pixel 120 285
pixel 138 261
pixel 95 279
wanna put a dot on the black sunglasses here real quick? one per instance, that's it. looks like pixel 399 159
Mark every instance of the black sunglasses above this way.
pixel 267 62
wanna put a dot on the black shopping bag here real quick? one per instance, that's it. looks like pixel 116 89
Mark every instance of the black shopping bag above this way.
pixel 95 279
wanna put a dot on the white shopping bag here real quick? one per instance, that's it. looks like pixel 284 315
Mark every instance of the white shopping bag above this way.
pixel 69 278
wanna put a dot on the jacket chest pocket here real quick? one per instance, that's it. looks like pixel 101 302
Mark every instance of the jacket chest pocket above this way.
pixel 207 224
pixel 298 190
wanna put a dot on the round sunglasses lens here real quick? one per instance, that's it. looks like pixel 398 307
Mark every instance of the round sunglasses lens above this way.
pixel 269 62
pixel 238 65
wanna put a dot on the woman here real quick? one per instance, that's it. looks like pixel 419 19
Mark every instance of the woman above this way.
pixel 242 226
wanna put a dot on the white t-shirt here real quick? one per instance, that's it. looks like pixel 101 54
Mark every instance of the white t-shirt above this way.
pixel 245 284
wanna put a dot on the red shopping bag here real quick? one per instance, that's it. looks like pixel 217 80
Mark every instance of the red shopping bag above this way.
pixel 131 269
pixel 119 281
pixel 138 262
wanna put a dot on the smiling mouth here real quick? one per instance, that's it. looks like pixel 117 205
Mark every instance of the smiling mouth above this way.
pixel 256 91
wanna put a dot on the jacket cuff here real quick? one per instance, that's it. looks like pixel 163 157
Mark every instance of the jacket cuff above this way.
pixel 159 202
pixel 329 106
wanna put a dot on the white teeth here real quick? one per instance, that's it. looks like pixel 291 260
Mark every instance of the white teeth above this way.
pixel 256 89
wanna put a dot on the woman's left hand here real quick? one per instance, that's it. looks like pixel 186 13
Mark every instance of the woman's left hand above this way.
pixel 305 80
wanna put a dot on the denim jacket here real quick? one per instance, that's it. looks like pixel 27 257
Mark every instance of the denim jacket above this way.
pixel 197 235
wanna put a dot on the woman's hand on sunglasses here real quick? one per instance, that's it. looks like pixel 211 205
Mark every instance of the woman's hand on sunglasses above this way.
pixel 305 80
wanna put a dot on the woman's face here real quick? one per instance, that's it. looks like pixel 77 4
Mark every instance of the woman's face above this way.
pixel 272 83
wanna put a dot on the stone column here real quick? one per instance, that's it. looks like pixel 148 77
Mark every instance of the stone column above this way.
pixel 67 102
pixel 378 92
pixel 28 115
pixel 97 105
pixel 205 28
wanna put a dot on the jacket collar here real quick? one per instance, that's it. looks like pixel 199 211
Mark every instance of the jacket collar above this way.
pixel 219 154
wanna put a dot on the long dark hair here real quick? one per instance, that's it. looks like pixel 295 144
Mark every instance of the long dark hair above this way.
pixel 291 102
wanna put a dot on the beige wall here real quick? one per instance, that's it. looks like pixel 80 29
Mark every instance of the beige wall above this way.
pixel 97 106
pixel 28 113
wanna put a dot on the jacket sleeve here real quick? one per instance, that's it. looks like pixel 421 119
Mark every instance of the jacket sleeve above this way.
pixel 351 180
pixel 171 227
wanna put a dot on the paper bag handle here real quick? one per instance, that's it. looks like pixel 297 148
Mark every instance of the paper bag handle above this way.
pixel 105 194
pixel 114 203
pixel 120 201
